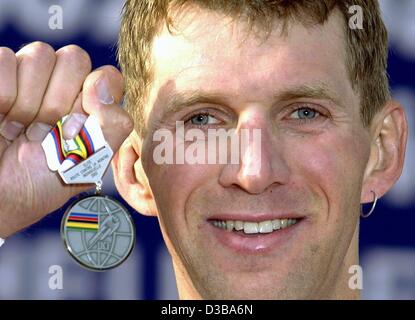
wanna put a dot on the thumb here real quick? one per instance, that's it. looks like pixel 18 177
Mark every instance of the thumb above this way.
pixel 101 96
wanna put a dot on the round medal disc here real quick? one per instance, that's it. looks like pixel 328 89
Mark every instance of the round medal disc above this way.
pixel 98 232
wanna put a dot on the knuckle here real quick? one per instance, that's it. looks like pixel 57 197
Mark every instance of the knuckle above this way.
pixel 120 119
pixel 6 54
pixel 42 48
pixel 75 55
pixel 127 123
pixel 39 51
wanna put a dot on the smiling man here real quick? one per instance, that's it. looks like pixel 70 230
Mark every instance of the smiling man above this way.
pixel 330 135
pixel 282 222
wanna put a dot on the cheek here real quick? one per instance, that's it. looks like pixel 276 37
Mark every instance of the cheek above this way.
pixel 331 165
pixel 174 187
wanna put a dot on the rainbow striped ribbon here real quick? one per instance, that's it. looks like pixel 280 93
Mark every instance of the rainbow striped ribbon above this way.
pixel 83 145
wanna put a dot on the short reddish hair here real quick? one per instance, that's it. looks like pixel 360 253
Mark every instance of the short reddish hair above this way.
pixel 367 49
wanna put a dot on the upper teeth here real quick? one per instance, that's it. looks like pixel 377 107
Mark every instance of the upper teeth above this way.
pixel 249 227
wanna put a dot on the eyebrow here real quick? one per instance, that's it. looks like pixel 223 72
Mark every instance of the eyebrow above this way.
pixel 319 91
pixel 181 100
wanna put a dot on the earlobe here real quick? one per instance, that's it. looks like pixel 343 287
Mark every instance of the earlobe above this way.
pixel 389 138
pixel 130 179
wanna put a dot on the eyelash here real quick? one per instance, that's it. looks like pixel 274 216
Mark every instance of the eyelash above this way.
pixel 188 119
pixel 319 115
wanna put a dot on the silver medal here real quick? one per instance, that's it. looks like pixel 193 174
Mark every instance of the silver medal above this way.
pixel 97 230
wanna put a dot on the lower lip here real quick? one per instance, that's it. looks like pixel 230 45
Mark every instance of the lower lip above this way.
pixel 256 243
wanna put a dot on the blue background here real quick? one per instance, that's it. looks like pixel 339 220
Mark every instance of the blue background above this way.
pixel 387 240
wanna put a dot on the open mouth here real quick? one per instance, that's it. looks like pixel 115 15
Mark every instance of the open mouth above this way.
pixel 255 236
pixel 249 227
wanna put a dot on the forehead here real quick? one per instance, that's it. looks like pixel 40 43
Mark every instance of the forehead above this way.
pixel 220 55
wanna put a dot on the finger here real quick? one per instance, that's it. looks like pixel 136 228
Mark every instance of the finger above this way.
pixel 73 64
pixel 75 121
pixel 8 80
pixel 37 131
pixel 8 90
pixel 35 65
pixel 101 95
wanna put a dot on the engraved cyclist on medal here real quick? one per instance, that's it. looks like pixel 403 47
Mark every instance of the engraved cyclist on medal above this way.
pixel 97 230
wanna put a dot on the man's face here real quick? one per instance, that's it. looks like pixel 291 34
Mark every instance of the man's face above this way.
pixel 314 148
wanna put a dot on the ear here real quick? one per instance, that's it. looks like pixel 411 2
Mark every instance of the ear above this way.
pixel 389 131
pixel 130 178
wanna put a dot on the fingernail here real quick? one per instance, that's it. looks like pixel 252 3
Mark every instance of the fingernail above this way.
pixel 72 125
pixel 11 129
pixel 38 131
pixel 103 91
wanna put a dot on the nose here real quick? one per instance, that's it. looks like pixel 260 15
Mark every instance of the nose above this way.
pixel 261 162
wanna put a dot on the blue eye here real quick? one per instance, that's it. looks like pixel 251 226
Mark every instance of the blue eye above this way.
pixel 203 119
pixel 305 114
